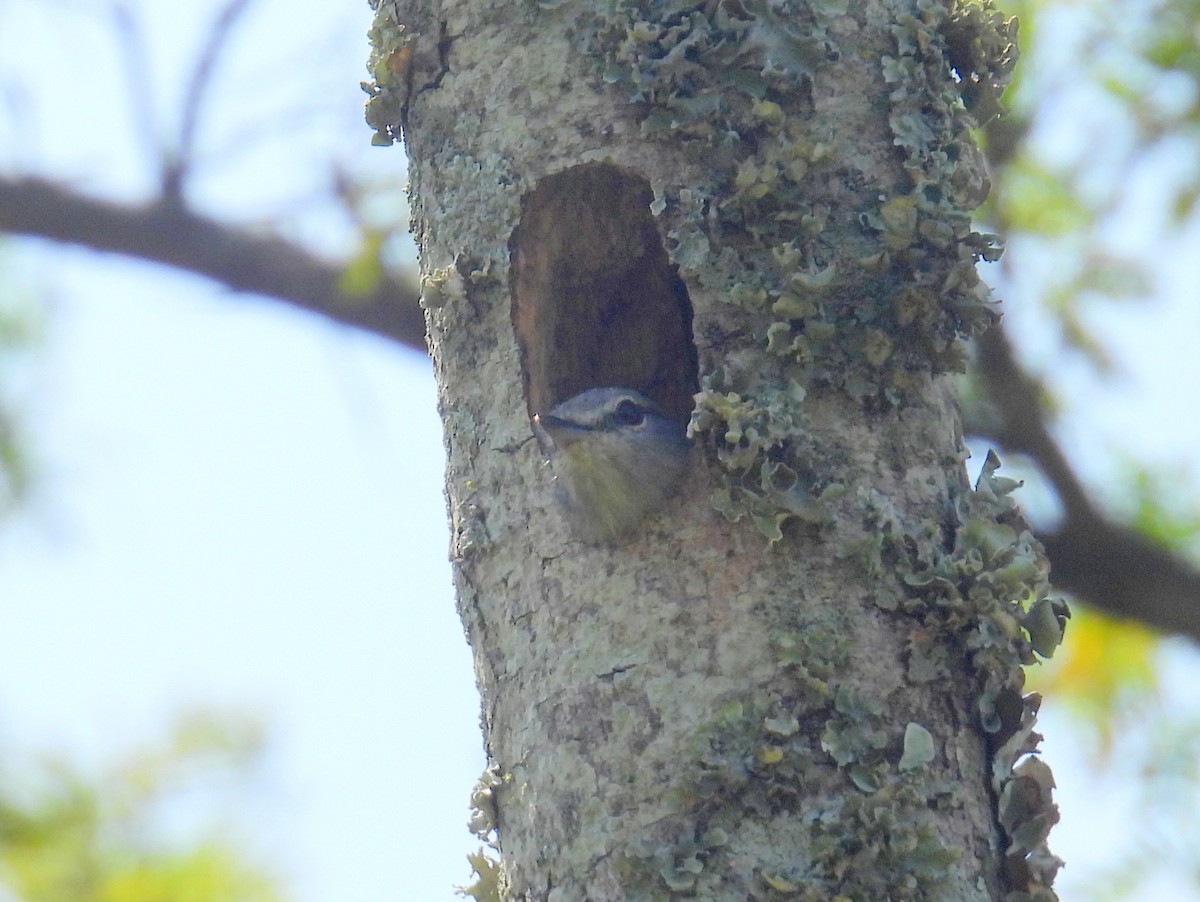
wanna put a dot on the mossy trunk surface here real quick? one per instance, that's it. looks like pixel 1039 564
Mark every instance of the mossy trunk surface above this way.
pixel 801 679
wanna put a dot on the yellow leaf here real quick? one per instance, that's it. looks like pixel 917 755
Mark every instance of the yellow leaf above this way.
pixel 1104 670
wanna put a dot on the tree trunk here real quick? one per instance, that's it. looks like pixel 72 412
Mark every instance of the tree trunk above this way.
pixel 801 679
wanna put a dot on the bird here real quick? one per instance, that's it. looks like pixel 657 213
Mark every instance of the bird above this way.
pixel 616 457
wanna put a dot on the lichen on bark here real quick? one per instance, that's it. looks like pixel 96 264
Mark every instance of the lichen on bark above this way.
pixel 801 680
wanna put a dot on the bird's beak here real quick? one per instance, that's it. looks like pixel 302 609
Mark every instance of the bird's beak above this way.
pixel 561 433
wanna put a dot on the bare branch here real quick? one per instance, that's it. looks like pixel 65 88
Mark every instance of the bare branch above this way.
pixel 1018 397
pixel 1111 567
pixel 1119 571
pixel 166 232
pixel 218 35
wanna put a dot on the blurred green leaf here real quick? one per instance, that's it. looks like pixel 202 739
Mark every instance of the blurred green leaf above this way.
pixel 71 837
pixel 1033 199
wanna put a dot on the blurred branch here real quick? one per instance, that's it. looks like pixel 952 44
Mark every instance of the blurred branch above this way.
pixel 176 170
pixel 165 231
pixel 1111 567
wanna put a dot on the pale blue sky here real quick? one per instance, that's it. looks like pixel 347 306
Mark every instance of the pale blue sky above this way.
pixel 241 506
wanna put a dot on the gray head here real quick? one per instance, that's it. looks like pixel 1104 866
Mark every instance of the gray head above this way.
pixel 616 457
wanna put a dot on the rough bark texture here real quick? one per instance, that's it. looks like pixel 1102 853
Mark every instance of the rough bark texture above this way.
pixel 801 680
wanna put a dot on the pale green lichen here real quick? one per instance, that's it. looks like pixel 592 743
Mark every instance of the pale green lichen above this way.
pixel 484 815
pixel 919 749
pixel 441 286
pixel 679 863
pixel 763 753
pixel 931 117
pixel 808 659
pixel 489 884
pixel 389 65
pixel 771 755
pixel 986 592
pixel 857 731
pixel 487 193
pixel 989 592
pixel 981 45
pixel 734 82
pixel 769 482
pixel 691 62
pixel 885 845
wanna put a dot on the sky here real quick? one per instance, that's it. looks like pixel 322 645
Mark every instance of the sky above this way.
pixel 240 506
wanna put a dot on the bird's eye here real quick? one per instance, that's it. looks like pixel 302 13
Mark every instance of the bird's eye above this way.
pixel 628 414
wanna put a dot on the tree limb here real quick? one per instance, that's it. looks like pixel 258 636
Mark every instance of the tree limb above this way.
pixel 166 232
pixel 1111 567
pixel 175 173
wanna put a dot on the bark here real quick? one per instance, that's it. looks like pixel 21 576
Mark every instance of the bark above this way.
pixel 803 678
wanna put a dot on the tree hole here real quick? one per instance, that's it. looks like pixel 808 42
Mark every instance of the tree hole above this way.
pixel 596 302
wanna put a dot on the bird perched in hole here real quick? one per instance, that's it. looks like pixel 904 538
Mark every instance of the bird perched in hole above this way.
pixel 616 457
